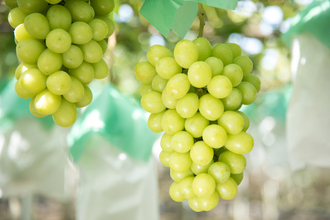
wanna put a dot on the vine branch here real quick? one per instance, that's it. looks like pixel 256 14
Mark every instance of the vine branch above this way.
pixel 201 19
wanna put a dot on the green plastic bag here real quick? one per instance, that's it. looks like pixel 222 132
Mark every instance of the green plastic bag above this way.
pixel 314 20
pixel 117 118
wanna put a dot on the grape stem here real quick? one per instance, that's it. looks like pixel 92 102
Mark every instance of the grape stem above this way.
pixel 201 19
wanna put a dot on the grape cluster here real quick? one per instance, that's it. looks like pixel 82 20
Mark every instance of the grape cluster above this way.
pixel 60 45
pixel 194 96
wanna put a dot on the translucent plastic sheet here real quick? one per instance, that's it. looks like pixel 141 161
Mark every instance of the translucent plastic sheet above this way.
pixel 308 118
pixel 115 186
pixel 33 159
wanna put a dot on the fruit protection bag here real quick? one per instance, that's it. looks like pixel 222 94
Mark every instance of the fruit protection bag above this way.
pixel 33 156
pixel 111 145
pixel 308 118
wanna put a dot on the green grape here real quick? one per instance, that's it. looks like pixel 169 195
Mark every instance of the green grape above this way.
pixel 211 108
pixel 227 190
pixel 59 17
pixel 103 7
pixel 157 52
pixel 219 151
pixel 241 143
pixel 92 51
pixel 167 67
pixel 53 2
pixel 110 24
pixel 145 88
pixel 16 17
pixel 203 185
pixel 249 92
pixel 104 45
pixel 182 142
pixel 22 67
pixel 215 64
pixel 179 162
pixel 76 91
pixel 101 69
pixel 84 72
pixel 178 86
pixel 33 81
pixel 185 187
pixel 214 136
pixel 21 33
pixel 100 29
pixel 235 162
pixel 66 115
pixel 175 194
pixel 22 93
pixel 201 154
pixel 155 122
pixel 193 204
pixel 165 143
pixel 220 87
pixel 145 72
pixel 185 53
pixel 86 99
pixel 47 103
pixel 246 120
pixel 158 83
pixel 232 122
pixel 80 10
pixel 234 73
pixel 219 171
pixel 209 202
pixel 245 63
pixel 80 32
pixel 37 25
pixel 196 124
pixel 254 80
pixel 168 100
pixel 235 48
pixel 49 62
pixel 199 74
pixel 203 47
pixel 237 177
pixel 178 176
pixel 188 105
pixel 233 100
pixel 197 169
pixel 223 52
pixel 28 50
pixel 164 158
pixel 59 83
pixel 33 109
pixel 73 57
pixel 31 6
pixel 58 40
pixel 11 3
pixel 172 122
pixel 152 102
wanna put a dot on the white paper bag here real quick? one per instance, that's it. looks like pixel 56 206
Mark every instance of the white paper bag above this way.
pixel 308 116
pixel 113 186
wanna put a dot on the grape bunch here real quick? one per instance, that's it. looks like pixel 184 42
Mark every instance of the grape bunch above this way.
pixel 60 45
pixel 194 95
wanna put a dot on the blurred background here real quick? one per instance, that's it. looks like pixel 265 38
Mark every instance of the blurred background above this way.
pixel 275 186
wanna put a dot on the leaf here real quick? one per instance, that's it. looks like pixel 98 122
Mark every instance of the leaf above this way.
pixel 225 4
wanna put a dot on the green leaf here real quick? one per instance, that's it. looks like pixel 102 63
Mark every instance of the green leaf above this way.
pixel 225 4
